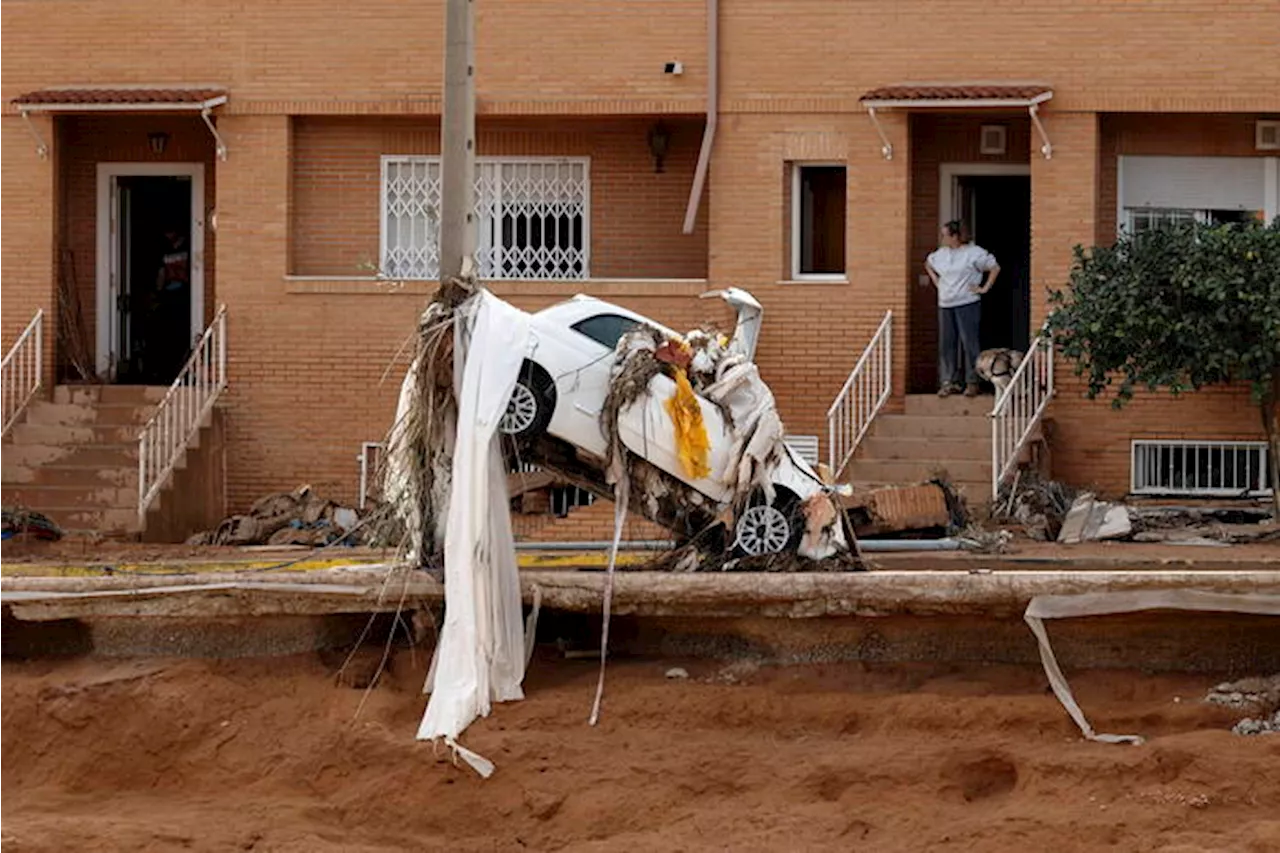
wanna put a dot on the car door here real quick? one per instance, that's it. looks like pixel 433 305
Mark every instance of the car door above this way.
pixel 582 390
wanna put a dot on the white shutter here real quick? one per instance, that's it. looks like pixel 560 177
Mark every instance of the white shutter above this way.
pixel 1193 183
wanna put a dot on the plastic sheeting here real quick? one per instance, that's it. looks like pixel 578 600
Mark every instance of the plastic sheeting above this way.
pixel 1104 603
pixel 481 655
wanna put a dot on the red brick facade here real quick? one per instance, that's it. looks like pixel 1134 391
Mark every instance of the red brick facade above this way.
pixel 319 92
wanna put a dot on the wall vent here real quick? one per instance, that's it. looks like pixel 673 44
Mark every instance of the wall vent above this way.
pixel 1200 468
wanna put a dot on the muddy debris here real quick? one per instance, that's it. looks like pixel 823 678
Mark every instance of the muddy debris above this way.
pixel 25 523
pixel 300 517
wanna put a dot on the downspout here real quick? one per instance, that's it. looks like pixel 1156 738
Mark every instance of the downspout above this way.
pixel 713 110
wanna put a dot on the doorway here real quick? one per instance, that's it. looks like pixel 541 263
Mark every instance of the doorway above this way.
pixel 150 276
pixel 993 201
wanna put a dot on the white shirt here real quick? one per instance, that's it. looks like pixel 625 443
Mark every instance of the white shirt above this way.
pixel 958 270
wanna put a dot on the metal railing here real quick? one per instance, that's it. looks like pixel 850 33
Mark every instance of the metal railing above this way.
pixel 1019 407
pixel 182 411
pixel 23 371
pixel 370 459
pixel 860 400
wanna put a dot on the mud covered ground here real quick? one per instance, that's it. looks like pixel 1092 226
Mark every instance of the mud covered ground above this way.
pixel 270 755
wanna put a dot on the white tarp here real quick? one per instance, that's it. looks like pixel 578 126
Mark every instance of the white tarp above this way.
pixel 1105 603
pixel 480 657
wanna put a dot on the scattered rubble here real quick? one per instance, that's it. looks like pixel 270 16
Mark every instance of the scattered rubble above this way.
pixel 1258 696
pixel 25 522
pixel 1035 504
pixel 300 517
pixel 1092 520
pixel 1262 726
pixel 1203 525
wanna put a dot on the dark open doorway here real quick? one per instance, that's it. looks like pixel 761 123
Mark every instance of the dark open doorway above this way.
pixel 996 210
pixel 154 275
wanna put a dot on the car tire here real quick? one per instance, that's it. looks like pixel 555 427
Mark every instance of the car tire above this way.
pixel 532 403
pixel 763 528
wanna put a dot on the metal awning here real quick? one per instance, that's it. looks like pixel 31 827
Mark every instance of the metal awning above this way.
pixel 970 96
pixel 137 99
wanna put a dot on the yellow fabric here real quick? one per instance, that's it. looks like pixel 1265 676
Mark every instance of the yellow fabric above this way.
pixel 691 432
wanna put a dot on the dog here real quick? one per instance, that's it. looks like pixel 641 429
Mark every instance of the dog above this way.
pixel 997 366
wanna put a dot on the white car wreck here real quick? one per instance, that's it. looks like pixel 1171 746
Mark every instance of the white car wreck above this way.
pixel 771 499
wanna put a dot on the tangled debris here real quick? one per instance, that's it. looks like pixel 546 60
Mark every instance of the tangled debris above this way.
pixel 1035 504
pixel 300 517
pixel 25 522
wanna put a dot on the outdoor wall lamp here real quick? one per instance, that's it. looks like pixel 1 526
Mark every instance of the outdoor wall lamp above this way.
pixel 157 141
pixel 659 142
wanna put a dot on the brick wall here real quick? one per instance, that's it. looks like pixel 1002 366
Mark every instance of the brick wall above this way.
pixel 307 364
pixel 585 524
pixel 636 213
pixel 1091 441
pixel 813 332
pixel 304 56
pixel 307 360
pixel 26 251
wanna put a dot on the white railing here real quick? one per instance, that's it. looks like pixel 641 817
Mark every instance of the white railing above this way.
pixel 22 371
pixel 860 400
pixel 370 460
pixel 190 399
pixel 1019 408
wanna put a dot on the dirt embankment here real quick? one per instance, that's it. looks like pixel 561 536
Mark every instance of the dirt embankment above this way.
pixel 264 755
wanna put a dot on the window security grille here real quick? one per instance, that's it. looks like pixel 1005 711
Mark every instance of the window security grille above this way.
pixel 533 218
pixel 1200 468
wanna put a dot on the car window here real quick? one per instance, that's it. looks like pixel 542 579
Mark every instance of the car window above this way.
pixel 605 329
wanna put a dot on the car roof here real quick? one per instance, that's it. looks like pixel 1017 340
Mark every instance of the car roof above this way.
pixel 581 306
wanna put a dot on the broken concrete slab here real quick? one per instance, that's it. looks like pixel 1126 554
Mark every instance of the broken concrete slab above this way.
pixel 1092 520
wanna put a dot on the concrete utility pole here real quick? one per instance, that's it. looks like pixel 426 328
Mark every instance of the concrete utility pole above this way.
pixel 458 140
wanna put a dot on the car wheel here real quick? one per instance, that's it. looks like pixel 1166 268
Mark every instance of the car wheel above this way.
pixel 531 404
pixel 768 528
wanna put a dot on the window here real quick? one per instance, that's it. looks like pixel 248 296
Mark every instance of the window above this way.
pixel 605 329
pixel 818 222
pixel 1139 219
pixel 1146 218
pixel 1155 191
pixel 533 218
pixel 1210 468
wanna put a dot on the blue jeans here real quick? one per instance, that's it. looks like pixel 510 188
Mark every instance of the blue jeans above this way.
pixel 958 325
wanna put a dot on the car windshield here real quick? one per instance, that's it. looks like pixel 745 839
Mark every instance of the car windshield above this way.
pixel 605 329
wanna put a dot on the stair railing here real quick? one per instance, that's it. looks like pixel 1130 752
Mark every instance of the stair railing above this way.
pixel 22 371
pixel 862 397
pixel 180 414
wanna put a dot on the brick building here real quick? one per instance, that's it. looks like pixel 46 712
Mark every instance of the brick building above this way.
pixel 293 145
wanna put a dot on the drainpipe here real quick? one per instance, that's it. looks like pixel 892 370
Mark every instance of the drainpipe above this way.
pixel 713 109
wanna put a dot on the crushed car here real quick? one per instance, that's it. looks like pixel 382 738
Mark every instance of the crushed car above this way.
pixel 606 395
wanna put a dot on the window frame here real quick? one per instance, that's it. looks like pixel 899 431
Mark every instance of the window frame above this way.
pixel 584 161
pixel 797 166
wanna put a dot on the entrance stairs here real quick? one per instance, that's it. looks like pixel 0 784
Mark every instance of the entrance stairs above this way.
pixel 934 435
pixel 75 458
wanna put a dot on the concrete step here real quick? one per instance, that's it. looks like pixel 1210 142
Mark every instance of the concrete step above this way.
pixel 65 435
pixel 900 472
pixel 117 455
pixel 84 476
pixel 920 448
pixel 930 426
pixel 957 405
pixel 89 394
pixel 78 414
pixel 45 498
